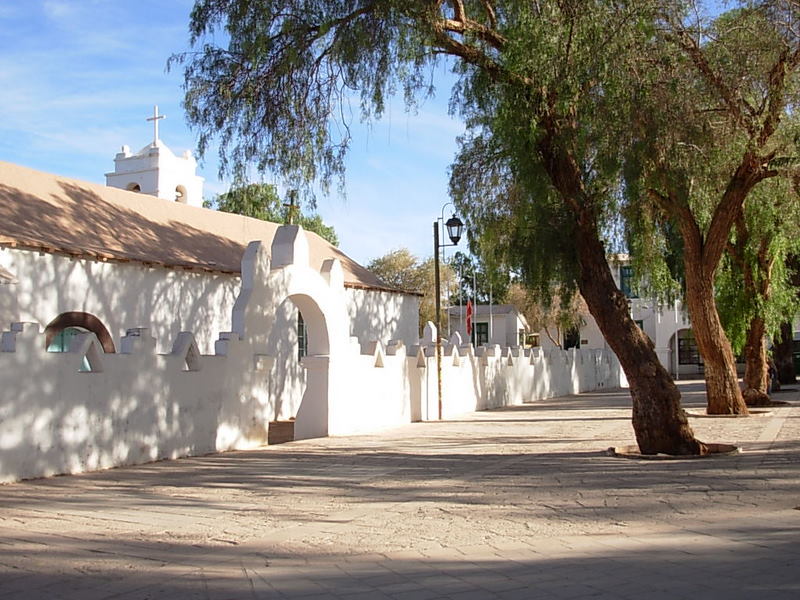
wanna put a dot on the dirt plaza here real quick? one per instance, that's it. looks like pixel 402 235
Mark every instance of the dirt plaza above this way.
pixel 523 502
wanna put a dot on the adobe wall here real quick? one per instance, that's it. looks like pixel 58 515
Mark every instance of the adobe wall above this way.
pixel 145 403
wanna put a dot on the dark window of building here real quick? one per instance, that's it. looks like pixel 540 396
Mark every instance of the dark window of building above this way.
pixel 626 281
pixel 302 336
pixel 572 339
pixel 61 342
pixel 480 334
pixel 687 349
pixel 80 321
pixel 532 339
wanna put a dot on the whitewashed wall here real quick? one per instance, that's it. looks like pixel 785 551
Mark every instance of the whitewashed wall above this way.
pixel 494 377
pixel 168 301
pixel 141 404
pixel 380 315
pixel 121 295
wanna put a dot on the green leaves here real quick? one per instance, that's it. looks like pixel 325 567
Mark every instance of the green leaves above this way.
pixel 276 93
pixel 261 201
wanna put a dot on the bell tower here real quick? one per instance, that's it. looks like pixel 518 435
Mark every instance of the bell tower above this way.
pixel 156 171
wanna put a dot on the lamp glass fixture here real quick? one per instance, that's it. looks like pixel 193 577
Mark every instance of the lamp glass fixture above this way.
pixel 454 229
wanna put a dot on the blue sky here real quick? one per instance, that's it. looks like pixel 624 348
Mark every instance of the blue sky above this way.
pixel 78 78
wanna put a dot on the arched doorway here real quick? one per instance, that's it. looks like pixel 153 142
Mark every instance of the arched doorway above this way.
pixel 269 280
pixel 299 338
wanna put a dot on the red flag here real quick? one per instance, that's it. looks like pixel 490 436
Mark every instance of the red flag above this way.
pixel 469 318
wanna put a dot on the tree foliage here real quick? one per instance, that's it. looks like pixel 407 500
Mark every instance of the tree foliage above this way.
pixel 713 127
pixel 754 279
pixel 553 316
pixel 261 201
pixel 478 282
pixel 401 269
pixel 545 89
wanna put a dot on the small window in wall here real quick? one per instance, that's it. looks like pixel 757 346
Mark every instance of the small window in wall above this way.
pixel 520 337
pixel 180 194
pixel 532 339
pixel 302 336
pixel 626 281
pixel 480 334
pixel 61 343
pixel 79 321
pixel 133 187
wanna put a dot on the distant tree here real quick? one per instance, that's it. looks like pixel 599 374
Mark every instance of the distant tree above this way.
pixel 783 349
pixel 554 315
pixel 401 269
pixel 261 201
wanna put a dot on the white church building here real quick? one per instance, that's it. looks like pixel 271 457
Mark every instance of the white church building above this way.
pixel 137 325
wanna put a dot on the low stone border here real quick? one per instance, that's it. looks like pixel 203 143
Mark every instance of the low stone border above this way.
pixel 714 450
pixel 754 412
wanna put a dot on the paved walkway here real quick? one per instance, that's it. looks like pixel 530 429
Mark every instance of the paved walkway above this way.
pixel 515 503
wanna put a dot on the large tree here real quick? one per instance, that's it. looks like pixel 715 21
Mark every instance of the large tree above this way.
pixel 754 289
pixel 712 127
pixel 545 89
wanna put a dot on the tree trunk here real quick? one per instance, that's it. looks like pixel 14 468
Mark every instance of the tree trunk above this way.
pixel 659 422
pixel 782 354
pixel 723 395
pixel 756 369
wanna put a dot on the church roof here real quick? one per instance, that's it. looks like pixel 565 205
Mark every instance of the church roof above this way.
pixel 45 212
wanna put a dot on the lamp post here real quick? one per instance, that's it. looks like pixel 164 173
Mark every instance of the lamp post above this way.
pixel 454 228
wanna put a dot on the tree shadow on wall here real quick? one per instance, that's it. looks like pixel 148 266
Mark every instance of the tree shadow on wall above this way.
pixel 81 221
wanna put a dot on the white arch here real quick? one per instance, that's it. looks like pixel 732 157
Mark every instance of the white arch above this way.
pixel 321 298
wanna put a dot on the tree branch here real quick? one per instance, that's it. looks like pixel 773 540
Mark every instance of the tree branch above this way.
pixel 462 27
pixel 752 170
pixel 490 13
pixel 737 106
pixel 786 63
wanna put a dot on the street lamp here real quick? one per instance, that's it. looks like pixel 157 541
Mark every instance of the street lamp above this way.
pixel 454 228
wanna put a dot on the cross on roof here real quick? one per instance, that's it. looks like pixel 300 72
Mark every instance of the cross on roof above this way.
pixel 291 207
pixel 155 119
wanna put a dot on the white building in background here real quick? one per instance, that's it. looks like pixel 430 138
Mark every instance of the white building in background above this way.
pixel 666 324
pixel 499 324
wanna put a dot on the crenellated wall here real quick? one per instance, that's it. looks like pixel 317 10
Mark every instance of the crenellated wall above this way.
pixel 143 403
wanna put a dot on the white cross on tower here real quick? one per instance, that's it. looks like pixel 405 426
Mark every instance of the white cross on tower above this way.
pixel 155 118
